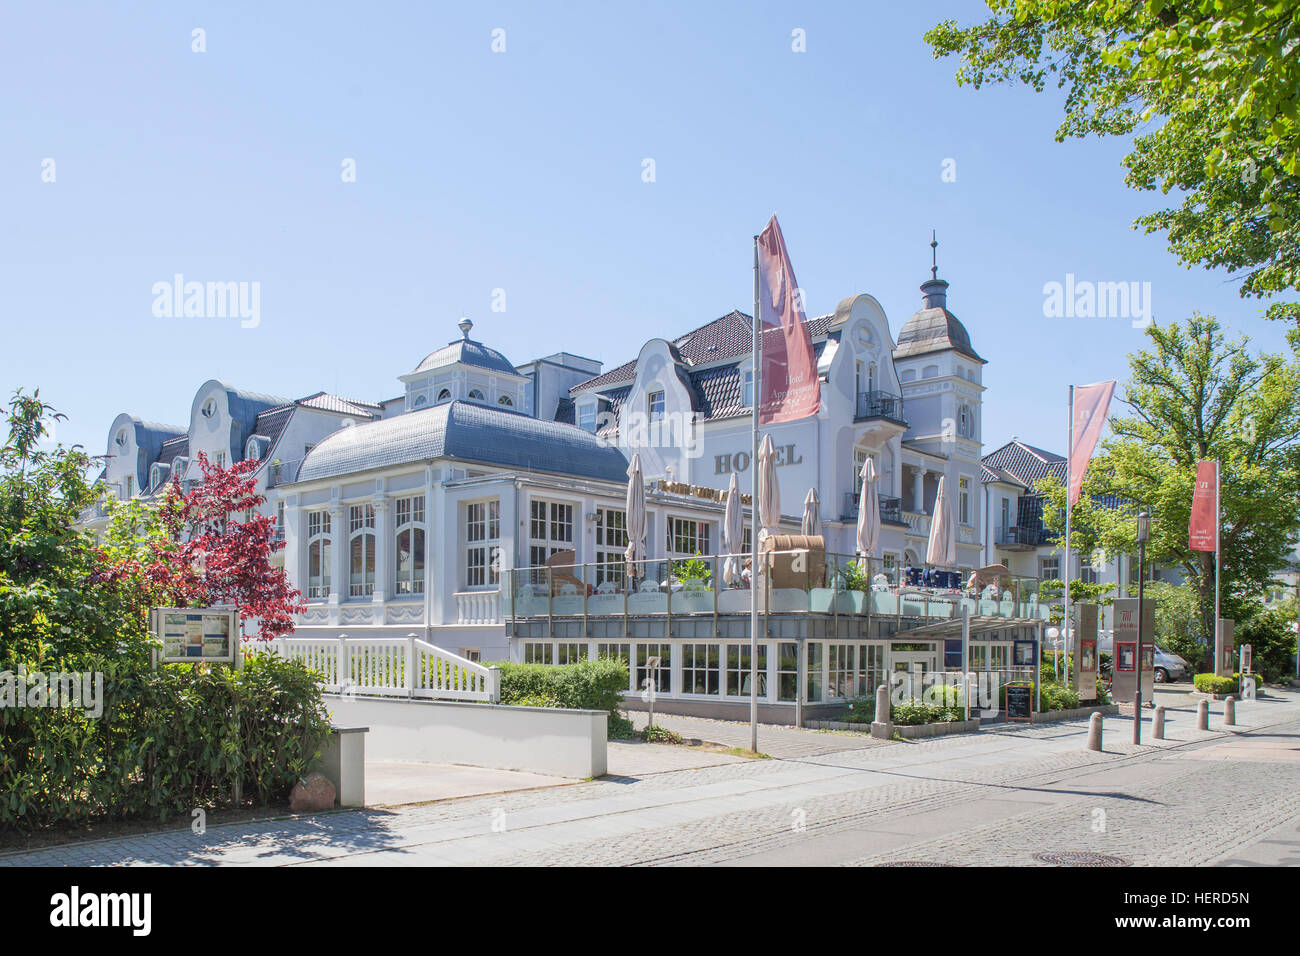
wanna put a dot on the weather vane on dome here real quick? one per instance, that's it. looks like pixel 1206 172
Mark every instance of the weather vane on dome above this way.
pixel 934 256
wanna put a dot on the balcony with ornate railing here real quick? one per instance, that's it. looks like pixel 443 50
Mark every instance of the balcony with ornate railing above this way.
pixel 878 404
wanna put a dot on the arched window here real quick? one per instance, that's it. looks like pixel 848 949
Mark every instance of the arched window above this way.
pixel 506 400
pixel 421 400
pixel 318 554
pixel 476 395
pixel 361 550
pixel 410 544
pixel 444 396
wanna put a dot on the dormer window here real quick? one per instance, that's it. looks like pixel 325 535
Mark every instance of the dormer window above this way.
pixel 444 396
pixel 587 417
pixel 476 395
pixel 747 389
pixel 507 401
pixel 655 405
pixel 421 401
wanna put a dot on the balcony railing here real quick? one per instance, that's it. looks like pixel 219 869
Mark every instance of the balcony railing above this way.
pixel 878 404
pixel 891 509
pixel 790 582
pixel 1016 538
pixel 283 472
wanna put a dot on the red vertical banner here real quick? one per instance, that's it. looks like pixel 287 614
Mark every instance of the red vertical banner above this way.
pixel 1091 404
pixel 1203 526
pixel 791 388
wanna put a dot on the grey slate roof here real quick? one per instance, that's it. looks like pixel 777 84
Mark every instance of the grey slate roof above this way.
pixel 467 352
pixel 465 431
pixel 934 330
pixel 1026 463
pixel 336 403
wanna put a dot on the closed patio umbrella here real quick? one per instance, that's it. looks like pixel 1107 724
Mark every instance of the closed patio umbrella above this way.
pixel 733 533
pixel 942 548
pixel 868 511
pixel 635 553
pixel 769 491
pixel 812 519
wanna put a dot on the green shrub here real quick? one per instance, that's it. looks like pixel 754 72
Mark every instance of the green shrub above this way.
pixel 595 684
pixel 862 710
pixel 917 712
pixel 535 700
pixel 1103 694
pixel 167 742
pixel 1257 678
pixel 1211 684
pixel 661 735
pixel 943 695
pixel 620 728
pixel 1056 696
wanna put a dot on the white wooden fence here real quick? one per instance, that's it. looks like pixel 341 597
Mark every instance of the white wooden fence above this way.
pixel 387 667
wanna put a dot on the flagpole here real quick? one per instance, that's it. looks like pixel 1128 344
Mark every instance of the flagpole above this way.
pixel 753 529
pixel 1218 524
pixel 1069 476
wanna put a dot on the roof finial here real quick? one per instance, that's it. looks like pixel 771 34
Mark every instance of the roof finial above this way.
pixel 934 256
pixel 465 325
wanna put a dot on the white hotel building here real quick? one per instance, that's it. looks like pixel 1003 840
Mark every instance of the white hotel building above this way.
pixel 417 515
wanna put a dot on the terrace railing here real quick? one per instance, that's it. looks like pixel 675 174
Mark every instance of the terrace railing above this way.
pixel 790 582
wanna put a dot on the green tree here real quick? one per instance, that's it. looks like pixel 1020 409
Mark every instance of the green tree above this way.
pixel 1208 89
pixel 1192 396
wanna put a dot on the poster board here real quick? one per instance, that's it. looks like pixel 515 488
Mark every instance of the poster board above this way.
pixel 196 635
pixel 1246 659
pixel 1125 671
pixel 1086 658
pixel 1023 654
pixel 1225 663
pixel 1020 700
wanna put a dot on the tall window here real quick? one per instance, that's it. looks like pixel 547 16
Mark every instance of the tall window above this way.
pixel 361 544
pixel 841 660
pixel 482 543
pixel 748 399
pixel 409 517
pixel 587 417
pixel 1049 569
pixel 688 537
pixel 814 673
pixel 738 670
pixel 644 652
pixel 550 529
pixel 611 545
pixel 318 554
pixel 787 671
pixel 963 500
pixel 860 456
pixel 700 669
pixel 1006 514
pixel 655 405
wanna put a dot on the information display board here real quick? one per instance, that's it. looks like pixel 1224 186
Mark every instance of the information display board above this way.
pixel 1020 701
pixel 1085 652
pixel 192 635
pixel 1226 664
pixel 1124 680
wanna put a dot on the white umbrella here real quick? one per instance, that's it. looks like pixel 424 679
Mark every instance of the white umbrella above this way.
pixel 769 491
pixel 635 519
pixel 812 519
pixel 942 549
pixel 733 533
pixel 868 511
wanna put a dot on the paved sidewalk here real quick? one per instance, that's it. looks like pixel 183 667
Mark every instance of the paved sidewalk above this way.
pixel 998 796
pixel 393 783
pixel 775 740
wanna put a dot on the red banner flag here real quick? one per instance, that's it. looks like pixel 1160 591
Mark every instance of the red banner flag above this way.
pixel 1091 403
pixel 790 384
pixel 1203 526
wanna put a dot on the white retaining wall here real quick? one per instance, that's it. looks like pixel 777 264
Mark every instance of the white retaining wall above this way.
pixel 568 743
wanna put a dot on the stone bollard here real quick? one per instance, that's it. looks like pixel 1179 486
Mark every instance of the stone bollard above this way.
pixel 882 727
pixel 1158 723
pixel 1094 731
pixel 1229 711
pixel 1203 715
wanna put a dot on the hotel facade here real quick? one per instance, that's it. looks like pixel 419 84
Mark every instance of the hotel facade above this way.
pixel 483 508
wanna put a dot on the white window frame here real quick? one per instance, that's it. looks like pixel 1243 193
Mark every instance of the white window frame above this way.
pixel 320 539
pixel 409 519
pixel 361 525
pixel 554 511
pixel 482 544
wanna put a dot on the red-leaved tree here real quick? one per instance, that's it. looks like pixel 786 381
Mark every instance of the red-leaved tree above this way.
pixel 210 547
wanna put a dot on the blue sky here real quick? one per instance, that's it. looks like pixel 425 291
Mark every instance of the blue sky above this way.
pixel 522 171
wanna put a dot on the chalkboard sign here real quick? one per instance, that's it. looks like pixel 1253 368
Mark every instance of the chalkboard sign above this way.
pixel 1020 701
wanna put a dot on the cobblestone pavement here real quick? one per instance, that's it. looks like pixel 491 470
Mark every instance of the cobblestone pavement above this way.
pixel 998 796
pixel 773 739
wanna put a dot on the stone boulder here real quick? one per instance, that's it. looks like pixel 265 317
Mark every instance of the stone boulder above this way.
pixel 312 795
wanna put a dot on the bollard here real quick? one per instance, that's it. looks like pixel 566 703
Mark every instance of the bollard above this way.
pixel 1230 711
pixel 882 727
pixel 1158 723
pixel 1094 732
pixel 1203 715
pixel 1137 718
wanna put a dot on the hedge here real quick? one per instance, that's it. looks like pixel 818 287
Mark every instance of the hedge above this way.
pixel 1212 684
pixel 168 741
pixel 596 684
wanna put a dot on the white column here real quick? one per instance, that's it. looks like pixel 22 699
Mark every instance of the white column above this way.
pixel 918 489
pixel 295 545
pixel 431 528
pixel 338 557
pixel 383 550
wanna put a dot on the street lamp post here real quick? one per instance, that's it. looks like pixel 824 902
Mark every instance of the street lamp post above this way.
pixel 1143 532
